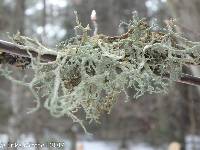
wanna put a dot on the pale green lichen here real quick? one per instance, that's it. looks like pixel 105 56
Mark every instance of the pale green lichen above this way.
pixel 90 72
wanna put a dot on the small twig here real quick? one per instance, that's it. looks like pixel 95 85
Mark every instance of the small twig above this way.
pixel 20 50
pixel 189 79
pixel 186 79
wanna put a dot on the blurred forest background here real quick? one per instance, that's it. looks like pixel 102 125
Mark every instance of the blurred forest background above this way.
pixel 154 119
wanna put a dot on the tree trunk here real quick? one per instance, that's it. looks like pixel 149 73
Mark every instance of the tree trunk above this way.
pixel 187 14
pixel 14 120
pixel 13 132
pixel 19 16
pixel 44 18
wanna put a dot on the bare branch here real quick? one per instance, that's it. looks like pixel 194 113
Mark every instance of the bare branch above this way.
pixel 20 50
pixel 189 79
pixel 186 79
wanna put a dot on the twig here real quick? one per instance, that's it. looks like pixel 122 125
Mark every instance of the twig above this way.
pixel 186 79
pixel 16 50
pixel 20 50
pixel 189 79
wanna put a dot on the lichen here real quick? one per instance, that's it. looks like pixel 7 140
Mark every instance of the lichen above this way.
pixel 91 71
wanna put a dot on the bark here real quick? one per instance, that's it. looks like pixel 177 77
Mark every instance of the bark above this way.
pixel 19 50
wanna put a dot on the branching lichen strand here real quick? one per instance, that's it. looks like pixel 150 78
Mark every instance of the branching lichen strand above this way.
pixel 90 72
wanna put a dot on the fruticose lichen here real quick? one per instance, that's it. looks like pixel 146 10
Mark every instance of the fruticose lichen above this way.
pixel 91 71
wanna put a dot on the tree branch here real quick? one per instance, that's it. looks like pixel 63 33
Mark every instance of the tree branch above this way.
pixel 19 50
pixel 189 79
pixel 186 79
